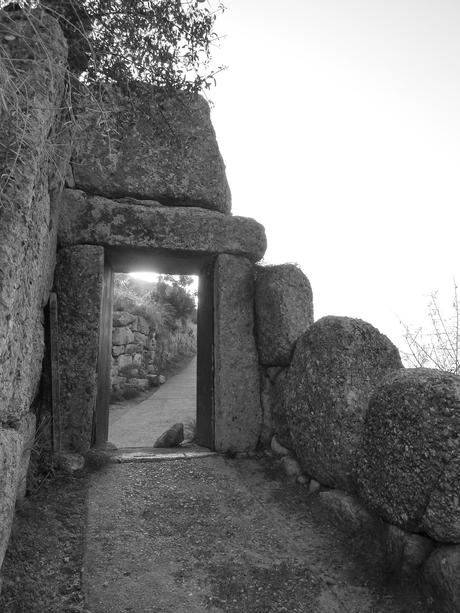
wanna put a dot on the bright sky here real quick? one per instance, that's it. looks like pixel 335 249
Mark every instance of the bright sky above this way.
pixel 339 123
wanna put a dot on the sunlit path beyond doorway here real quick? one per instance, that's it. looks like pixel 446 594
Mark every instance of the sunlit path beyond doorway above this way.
pixel 140 425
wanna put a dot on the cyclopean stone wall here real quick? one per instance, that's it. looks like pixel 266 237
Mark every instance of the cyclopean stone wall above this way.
pixel 283 303
pixel 32 157
pixel 141 350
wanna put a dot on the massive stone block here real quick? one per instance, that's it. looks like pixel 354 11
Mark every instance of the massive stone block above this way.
pixel 410 459
pixel 337 364
pixel 79 284
pixel 10 457
pixel 284 310
pixel 442 572
pixel 32 85
pixel 238 414
pixel 146 224
pixel 154 146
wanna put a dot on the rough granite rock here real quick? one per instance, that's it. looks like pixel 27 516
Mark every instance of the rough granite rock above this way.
pixel 172 437
pixel 31 94
pixel 156 146
pixel 405 552
pixel 337 364
pixel 78 283
pixel 442 572
pixel 266 385
pixel 279 410
pixel 283 311
pixel 410 457
pixel 238 414
pixel 122 319
pixel 192 231
pixel 348 511
pixel 27 431
pixel 10 458
pixel 272 395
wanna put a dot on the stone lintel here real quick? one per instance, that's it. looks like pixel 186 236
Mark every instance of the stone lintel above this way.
pixel 146 224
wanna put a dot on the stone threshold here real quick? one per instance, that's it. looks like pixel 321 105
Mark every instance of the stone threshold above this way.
pixel 149 454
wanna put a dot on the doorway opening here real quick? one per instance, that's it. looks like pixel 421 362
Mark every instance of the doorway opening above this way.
pixel 156 351
pixel 153 366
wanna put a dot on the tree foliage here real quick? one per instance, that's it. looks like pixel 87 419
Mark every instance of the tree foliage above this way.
pixel 437 346
pixel 164 303
pixel 162 42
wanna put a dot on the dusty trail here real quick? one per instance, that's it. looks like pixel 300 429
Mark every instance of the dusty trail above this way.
pixel 141 424
pixel 220 535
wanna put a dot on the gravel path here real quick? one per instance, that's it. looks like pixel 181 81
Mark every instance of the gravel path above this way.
pixel 139 425
pixel 220 535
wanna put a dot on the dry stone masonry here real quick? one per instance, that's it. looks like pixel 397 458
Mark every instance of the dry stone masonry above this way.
pixel 146 184
pixel 139 355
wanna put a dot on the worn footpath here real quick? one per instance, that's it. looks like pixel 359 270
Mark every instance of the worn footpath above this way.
pixel 222 535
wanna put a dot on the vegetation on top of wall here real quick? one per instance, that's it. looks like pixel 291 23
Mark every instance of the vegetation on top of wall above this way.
pixel 161 42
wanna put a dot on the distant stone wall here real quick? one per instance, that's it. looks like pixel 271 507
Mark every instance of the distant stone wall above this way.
pixel 140 351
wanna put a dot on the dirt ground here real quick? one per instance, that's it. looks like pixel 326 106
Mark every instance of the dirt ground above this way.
pixel 212 534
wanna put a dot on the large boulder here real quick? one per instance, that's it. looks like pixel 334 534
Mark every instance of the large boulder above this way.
pixel 442 573
pixel 149 225
pixel 410 457
pixel 151 145
pixel 283 311
pixel 336 366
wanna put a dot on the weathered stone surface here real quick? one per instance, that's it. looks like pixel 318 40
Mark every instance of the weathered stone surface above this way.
pixel 279 410
pixel 31 93
pixel 172 437
pixel 99 221
pixel 337 364
pixel 272 397
pixel 27 432
pixel 410 459
pixel 10 458
pixel 442 572
pixel 238 414
pixel 158 147
pixel 142 327
pixel 290 466
pixel 405 552
pixel 124 361
pixel 122 319
pixel 348 511
pixel 266 432
pixel 79 284
pixel 118 350
pixel 283 311
pixel 277 448
pixel 122 336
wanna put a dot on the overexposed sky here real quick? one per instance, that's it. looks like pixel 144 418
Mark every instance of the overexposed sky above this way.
pixel 339 123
